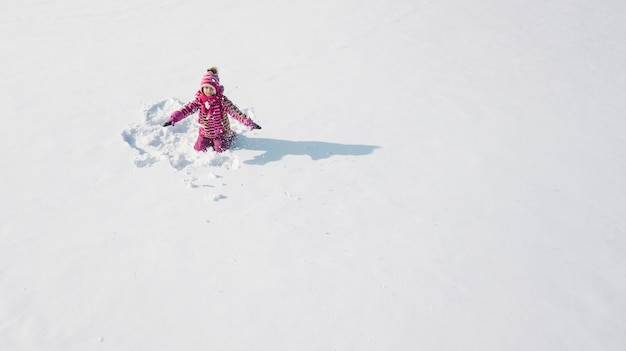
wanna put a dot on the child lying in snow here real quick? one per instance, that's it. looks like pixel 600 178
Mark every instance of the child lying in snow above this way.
pixel 213 117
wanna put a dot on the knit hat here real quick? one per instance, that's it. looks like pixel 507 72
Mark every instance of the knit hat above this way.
pixel 210 78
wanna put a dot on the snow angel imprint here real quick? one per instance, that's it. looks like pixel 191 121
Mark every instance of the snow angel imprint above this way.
pixel 214 109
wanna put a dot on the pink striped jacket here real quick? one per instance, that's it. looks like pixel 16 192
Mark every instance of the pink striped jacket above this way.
pixel 213 116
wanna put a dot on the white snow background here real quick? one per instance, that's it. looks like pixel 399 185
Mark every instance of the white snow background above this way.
pixel 431 175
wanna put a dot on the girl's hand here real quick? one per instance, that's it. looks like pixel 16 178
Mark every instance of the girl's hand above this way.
pixel 255 126
pixel 168 123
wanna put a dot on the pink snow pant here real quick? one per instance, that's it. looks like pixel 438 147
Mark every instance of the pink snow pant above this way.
pixel 219 144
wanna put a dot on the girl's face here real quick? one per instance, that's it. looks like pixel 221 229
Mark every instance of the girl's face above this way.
pixel 208 90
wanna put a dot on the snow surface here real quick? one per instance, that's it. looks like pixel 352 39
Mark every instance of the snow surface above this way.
pixel 431 175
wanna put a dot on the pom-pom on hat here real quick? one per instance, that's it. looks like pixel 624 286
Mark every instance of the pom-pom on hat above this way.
pixel 210 78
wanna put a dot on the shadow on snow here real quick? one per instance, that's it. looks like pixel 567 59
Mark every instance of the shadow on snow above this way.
pixel 275 150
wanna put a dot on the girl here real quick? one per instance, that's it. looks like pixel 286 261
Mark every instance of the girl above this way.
pixel 214 109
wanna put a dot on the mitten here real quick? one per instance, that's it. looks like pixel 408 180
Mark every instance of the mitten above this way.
pixel 176 117
pixel 254 126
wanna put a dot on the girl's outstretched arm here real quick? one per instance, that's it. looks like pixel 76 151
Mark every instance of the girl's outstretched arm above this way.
pixel 189 109
pixel 238 115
